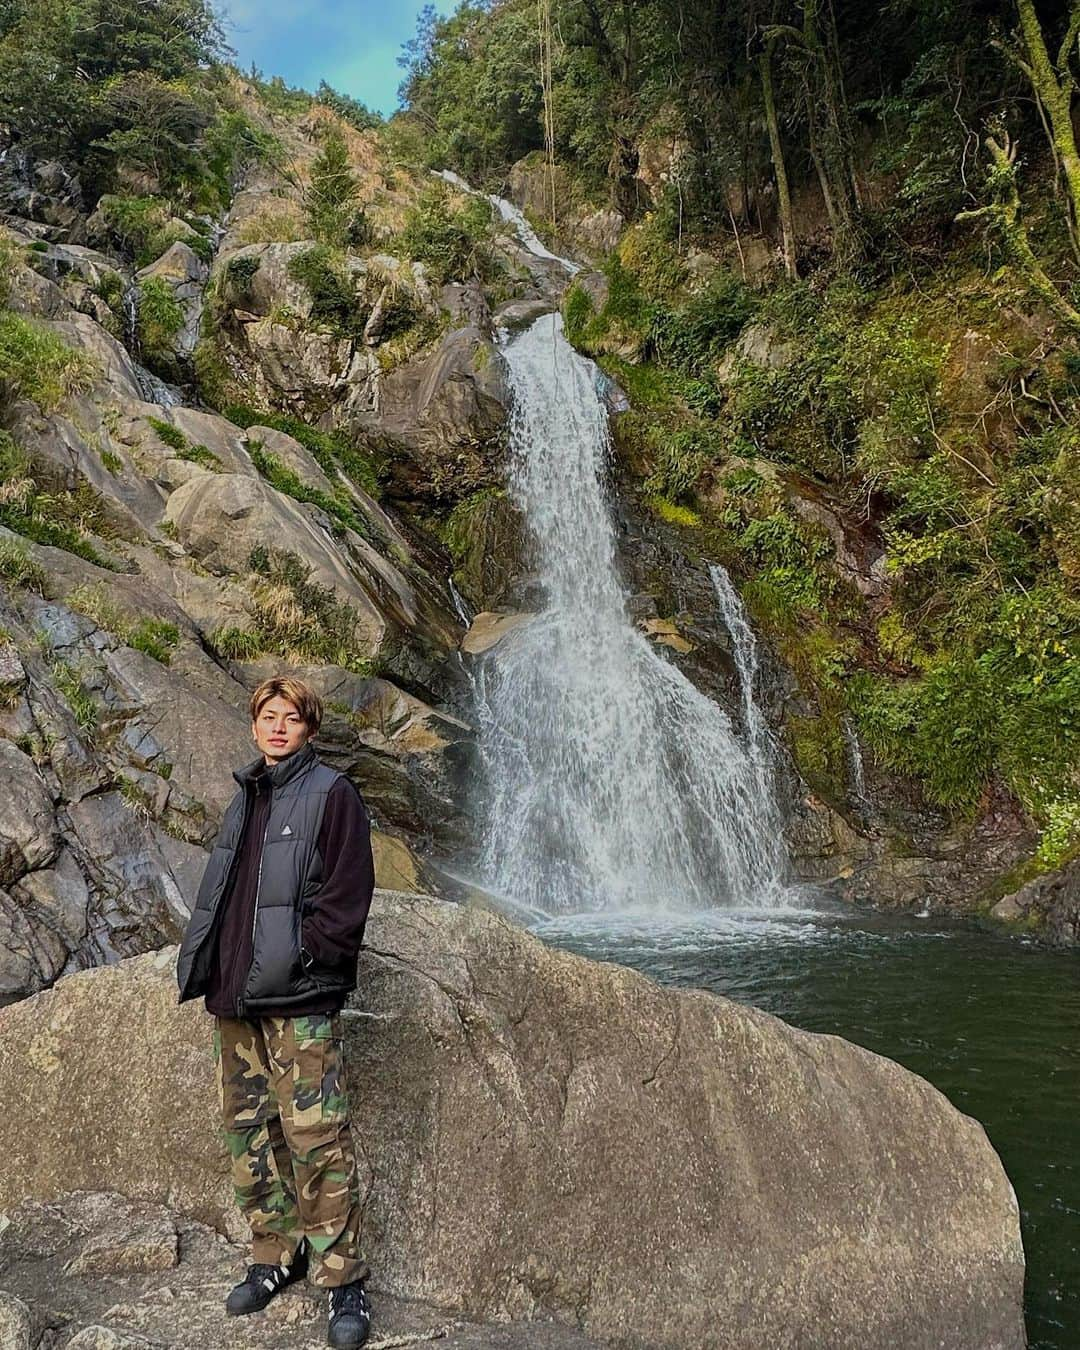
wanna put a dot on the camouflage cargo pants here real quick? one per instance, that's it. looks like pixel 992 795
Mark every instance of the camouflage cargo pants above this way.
pixel 282 1087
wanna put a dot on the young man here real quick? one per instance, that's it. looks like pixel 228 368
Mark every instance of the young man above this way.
pixel 272 946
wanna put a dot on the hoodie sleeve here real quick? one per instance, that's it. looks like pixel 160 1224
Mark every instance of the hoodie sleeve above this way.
pixel 333 930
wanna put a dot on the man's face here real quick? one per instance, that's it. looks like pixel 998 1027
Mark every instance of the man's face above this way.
pixel 279 730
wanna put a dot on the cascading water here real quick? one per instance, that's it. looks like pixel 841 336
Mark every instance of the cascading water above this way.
pixel 614 783
pixel 759 741
pixel 512 216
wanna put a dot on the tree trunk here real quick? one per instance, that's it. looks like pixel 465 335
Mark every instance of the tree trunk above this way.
pixel 1054 89
pixel 783 195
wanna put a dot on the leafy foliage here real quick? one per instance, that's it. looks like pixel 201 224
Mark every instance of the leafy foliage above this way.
pixel 332 450
pixel 58 518
pixel 349 109
pixel 454 244
pixel 159 317
pixel 334 301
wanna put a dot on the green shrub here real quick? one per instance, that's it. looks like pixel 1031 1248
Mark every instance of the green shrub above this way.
pixel 38 365
pixel 350 110
pixel 453 244
pixel 154 637
pixel 160 317
pixel 680 457
pixel 578 313
pixel 333 295
pixel 332 197
pixel 55 518
pixel 459 530
pixel 692 336
pixel 240 272
pixel 201 455
pixel 166 432
pixel 330 449
pixel 282 478
pixel 237 644
pixel 138 224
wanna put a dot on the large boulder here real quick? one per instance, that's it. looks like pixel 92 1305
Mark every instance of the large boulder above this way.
pixel 445 414
pixel 1050 902
pixel 541 1135
pixel 221 518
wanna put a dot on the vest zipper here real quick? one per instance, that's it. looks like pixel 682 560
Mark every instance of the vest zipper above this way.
pixel 255 911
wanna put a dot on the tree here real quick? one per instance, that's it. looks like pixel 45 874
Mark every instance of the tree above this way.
pixel 331 199
pixel 783 194
pixel 1004 214
pixel 1054 84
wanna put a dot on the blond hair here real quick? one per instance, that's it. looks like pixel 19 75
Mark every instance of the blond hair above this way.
pixel 307 702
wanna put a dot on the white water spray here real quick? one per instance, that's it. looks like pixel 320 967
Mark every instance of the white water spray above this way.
pixel 614 782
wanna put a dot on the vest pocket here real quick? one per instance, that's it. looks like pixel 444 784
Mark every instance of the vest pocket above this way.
pixel 276 968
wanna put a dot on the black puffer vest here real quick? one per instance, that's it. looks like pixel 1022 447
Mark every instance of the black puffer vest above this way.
pixel 290 872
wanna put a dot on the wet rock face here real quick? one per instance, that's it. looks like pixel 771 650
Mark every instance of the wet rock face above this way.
pixel 43 191
pixel 1051 903
pixel 655 1163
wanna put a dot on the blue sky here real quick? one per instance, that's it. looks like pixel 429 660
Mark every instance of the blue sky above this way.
pixel 353 46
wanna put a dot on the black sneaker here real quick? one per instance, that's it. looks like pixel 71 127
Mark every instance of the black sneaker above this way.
pixel 263 1281
pixel 350 1316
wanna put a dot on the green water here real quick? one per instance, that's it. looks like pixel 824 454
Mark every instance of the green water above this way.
pixel 994 1022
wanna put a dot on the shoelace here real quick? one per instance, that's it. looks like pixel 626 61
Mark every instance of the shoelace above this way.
pixel 270 1277
pixel 349 1298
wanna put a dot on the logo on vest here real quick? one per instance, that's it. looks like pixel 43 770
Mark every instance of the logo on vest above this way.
pixel 287 830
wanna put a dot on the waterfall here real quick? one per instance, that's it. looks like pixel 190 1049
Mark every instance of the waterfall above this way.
pixel 857 796
pixel 613 782
pixel 152 389
pixel 512 216
pixel 758 738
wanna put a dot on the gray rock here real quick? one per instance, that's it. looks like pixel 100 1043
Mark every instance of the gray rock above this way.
pixel 12 674
pixel 118 839
pixel 1051 901
pixel 16 1325
pixel 28 835
pixel 121 1236
pixel 105 1338
pixel 180 1306
pixel 31 955
pixel 60 895
pixel 447 411
pixel 546 1136
pixel 221 518
pixel 598 232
